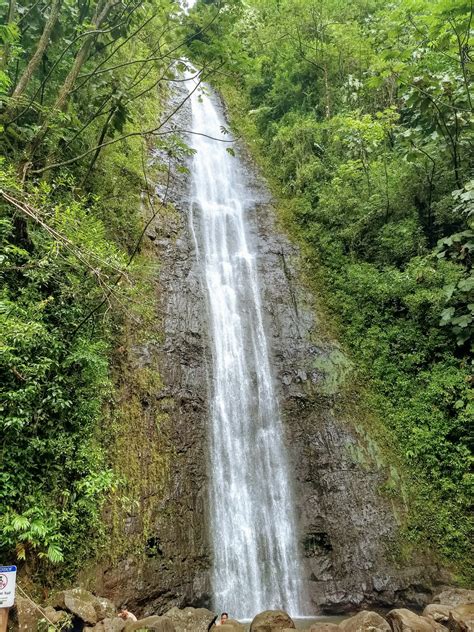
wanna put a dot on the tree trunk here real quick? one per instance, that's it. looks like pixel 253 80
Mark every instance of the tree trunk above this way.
pixel 40 49
pixel 81 57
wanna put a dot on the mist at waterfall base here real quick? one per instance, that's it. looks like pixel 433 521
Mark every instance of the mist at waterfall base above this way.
pixel 256 563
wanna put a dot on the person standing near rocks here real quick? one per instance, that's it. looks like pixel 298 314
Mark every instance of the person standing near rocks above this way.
pixel 126 615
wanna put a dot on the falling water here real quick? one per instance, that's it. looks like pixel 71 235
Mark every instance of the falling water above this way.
pixel 255 556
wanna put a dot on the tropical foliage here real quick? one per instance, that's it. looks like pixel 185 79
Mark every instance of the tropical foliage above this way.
pixel 82 85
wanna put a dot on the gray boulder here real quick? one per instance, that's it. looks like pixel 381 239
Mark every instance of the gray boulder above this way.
pixel 28 615
pixel 454 597
pixel 114 624
pixel 80 602
pixel 365 621
pixel 272 621
pixel 85 605
pixel 158 624
pixel 403 620
pixel 234 624
pixel 437 612
pixel 55 616
pixel 104 608
pixel 191 619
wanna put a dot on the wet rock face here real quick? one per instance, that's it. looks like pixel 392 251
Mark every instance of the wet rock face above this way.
pixel 173 568
pixel 347 528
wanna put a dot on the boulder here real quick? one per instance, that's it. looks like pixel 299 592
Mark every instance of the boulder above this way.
pixel 80 602
pixel 114 624
pixel 324 627
pixel 403 620
pixel 437 612
pixel 28 615
pixel 105 609
pixel 55 616
pixel 271 621
pixel 191 619
pixel 236 625
pixel 461 618
pixel 365 621
pixel 454 597
pixel 159 624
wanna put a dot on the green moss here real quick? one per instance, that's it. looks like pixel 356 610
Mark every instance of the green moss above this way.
pixel 336 369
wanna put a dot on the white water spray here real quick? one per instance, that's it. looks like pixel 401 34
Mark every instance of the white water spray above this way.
pixel 255 556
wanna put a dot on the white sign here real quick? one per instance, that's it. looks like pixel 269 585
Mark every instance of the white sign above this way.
pixel 7 586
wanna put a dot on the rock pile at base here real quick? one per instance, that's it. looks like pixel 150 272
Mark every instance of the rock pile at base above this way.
pixel 452 610
pixel 79 609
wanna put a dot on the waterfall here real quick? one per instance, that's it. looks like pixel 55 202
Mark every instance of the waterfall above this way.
pixel 255 554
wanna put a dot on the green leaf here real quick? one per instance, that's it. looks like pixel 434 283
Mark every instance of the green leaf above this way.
pixel 55 555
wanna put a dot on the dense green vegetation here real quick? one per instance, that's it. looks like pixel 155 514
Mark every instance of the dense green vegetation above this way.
pixel 362 114
pixel 82 88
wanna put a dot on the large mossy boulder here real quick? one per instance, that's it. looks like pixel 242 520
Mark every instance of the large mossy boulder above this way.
pixel 324 627
pixel 403 620
pixel 365 621
pixel 272 621
pixel 158 624
pixel 191 619
pixel 84 605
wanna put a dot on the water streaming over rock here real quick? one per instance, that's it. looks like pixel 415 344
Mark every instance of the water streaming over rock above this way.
pixel 255 556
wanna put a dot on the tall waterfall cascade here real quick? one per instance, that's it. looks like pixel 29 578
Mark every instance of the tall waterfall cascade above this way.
pixel 255 554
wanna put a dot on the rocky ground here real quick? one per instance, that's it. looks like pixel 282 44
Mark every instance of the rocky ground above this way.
pixel 78 610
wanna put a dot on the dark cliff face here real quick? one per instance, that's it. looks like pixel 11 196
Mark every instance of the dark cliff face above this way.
pixel 347 529
pixel 171 564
